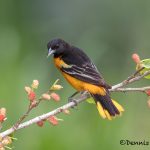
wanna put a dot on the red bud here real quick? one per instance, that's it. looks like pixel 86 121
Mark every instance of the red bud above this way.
pixel 40 123
pixel 31 96
pixel 53 120
pixel 147 92
pixel 55 96
pixel 136 58
pixel 2 117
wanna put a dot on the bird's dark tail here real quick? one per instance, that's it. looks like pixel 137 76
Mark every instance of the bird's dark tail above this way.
pixel 107 107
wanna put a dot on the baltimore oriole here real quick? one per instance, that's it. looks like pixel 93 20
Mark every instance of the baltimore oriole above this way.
pixel 82 74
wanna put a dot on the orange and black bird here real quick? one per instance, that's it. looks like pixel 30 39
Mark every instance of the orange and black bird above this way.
pixel 82 74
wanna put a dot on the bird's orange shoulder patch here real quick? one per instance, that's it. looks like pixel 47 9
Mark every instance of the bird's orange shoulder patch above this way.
pixel 60 63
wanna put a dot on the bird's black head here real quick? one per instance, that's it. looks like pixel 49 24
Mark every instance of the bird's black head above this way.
pixel 57 47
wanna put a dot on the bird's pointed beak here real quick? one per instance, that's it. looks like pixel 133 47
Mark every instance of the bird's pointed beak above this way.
pixel 50 51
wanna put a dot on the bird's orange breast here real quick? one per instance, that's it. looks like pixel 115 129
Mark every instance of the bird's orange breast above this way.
pixel 59 63
pixel 76 83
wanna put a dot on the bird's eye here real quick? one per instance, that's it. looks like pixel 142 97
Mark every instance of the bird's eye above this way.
pixel 56 46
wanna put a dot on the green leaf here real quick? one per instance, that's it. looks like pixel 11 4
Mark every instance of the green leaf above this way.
pixel 90 100
pixel 146 64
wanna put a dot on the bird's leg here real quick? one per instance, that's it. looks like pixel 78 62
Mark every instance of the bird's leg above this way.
pixel 72 98
pixel 83 92
pixel 74 94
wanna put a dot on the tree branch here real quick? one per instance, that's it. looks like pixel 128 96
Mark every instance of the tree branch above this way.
pixel 116 88
pixel 141 89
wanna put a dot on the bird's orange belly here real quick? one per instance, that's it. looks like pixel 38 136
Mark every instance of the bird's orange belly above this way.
pixel 83 86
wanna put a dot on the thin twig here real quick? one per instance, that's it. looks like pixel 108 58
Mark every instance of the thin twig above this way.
pixel 141 89
pixel 135 74
pixel 131 80
pixel 31 106
pixel 115 88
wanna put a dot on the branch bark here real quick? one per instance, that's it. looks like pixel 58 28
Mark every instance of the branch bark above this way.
pixel 141 89
pixel 116 88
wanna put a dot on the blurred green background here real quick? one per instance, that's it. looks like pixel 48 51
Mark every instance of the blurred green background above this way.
pixel 109 32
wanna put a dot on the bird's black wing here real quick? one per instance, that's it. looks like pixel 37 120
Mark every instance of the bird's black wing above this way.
pixel 82 68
